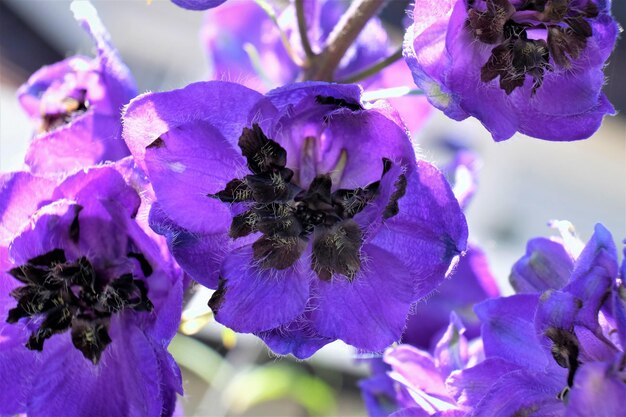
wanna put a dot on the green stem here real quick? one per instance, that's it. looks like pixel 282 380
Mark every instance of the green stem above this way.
pixel 374 69
pixel 345 33
pixel 394 92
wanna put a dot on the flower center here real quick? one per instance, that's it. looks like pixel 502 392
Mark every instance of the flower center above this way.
pixel 527 36
pixel 565 351
pixel 65 110
pixel 288 215
pixel 71 294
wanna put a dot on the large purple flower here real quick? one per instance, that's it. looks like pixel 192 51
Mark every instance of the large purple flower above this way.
pixel 306 210
pixel 76 104
pixel 244 45
pixel 528 66
pixel 561 352
pixel 87 299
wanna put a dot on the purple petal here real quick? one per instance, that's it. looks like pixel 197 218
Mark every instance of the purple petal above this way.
pixel 298 338
pixel 251 299
pixel 21 194
pixel 471 282
pixel 410 412
pixel 200 255
pixel 533 393
pixel 368 312
pixel 125 382
pixel 428 232
pixel 598 390
pixel 227 29
pixel 416 369
pixel 188 163
pixel 198 4
pixel 116 77
pixel 225 106
pixel 291 95
pixel 426 55
pixel 593 276
pixel 619 310
pixel 546 265
pixel 470 385
pixel 89 139
pixel 508 330
pixel 451 350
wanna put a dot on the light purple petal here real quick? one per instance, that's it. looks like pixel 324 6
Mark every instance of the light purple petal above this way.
pixel 470 385
pixel 223 105
pixel 89 139
pixel 255 300
pixel 426 55
pixel 115 75
pixel 546 265
pixel 369 312
pixel 21 194
pixel 599 390
pixel 188 163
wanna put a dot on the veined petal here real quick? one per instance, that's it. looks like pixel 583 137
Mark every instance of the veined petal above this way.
pixel 252 299
pixel 368 312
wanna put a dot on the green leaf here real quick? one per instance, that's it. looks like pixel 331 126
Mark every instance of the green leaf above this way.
pixel 279 381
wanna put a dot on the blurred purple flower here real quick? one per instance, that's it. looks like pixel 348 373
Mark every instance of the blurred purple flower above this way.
pixel 89 302
pixel 528 66
pixel 412 382
pixel 239 33
pixel 562 353
pixel 76 104
pixel 300 207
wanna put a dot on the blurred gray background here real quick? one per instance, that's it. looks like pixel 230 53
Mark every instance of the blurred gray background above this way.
pixel 524 182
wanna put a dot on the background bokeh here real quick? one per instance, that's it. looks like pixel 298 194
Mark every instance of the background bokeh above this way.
pixel 523 183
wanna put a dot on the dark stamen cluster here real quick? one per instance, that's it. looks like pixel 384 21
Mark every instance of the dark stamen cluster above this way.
pixel 516 55
pixel 73 107
pixel 71 295
pixel 288 215
pixel 565 351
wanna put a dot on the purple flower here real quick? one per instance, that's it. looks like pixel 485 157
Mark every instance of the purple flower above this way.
pixel 76 104
pixel 300 207
pixel 562 353
pixel 413 382
pixel 528 66
pixel 88 301
pixel 241 32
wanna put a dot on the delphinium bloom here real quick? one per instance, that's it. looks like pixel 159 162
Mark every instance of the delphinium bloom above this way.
pixel 305 209
pixel 533 67
pixel 244 45
pixel 560 352
pixel 413 381
pixel 76 104
pixel 88 301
